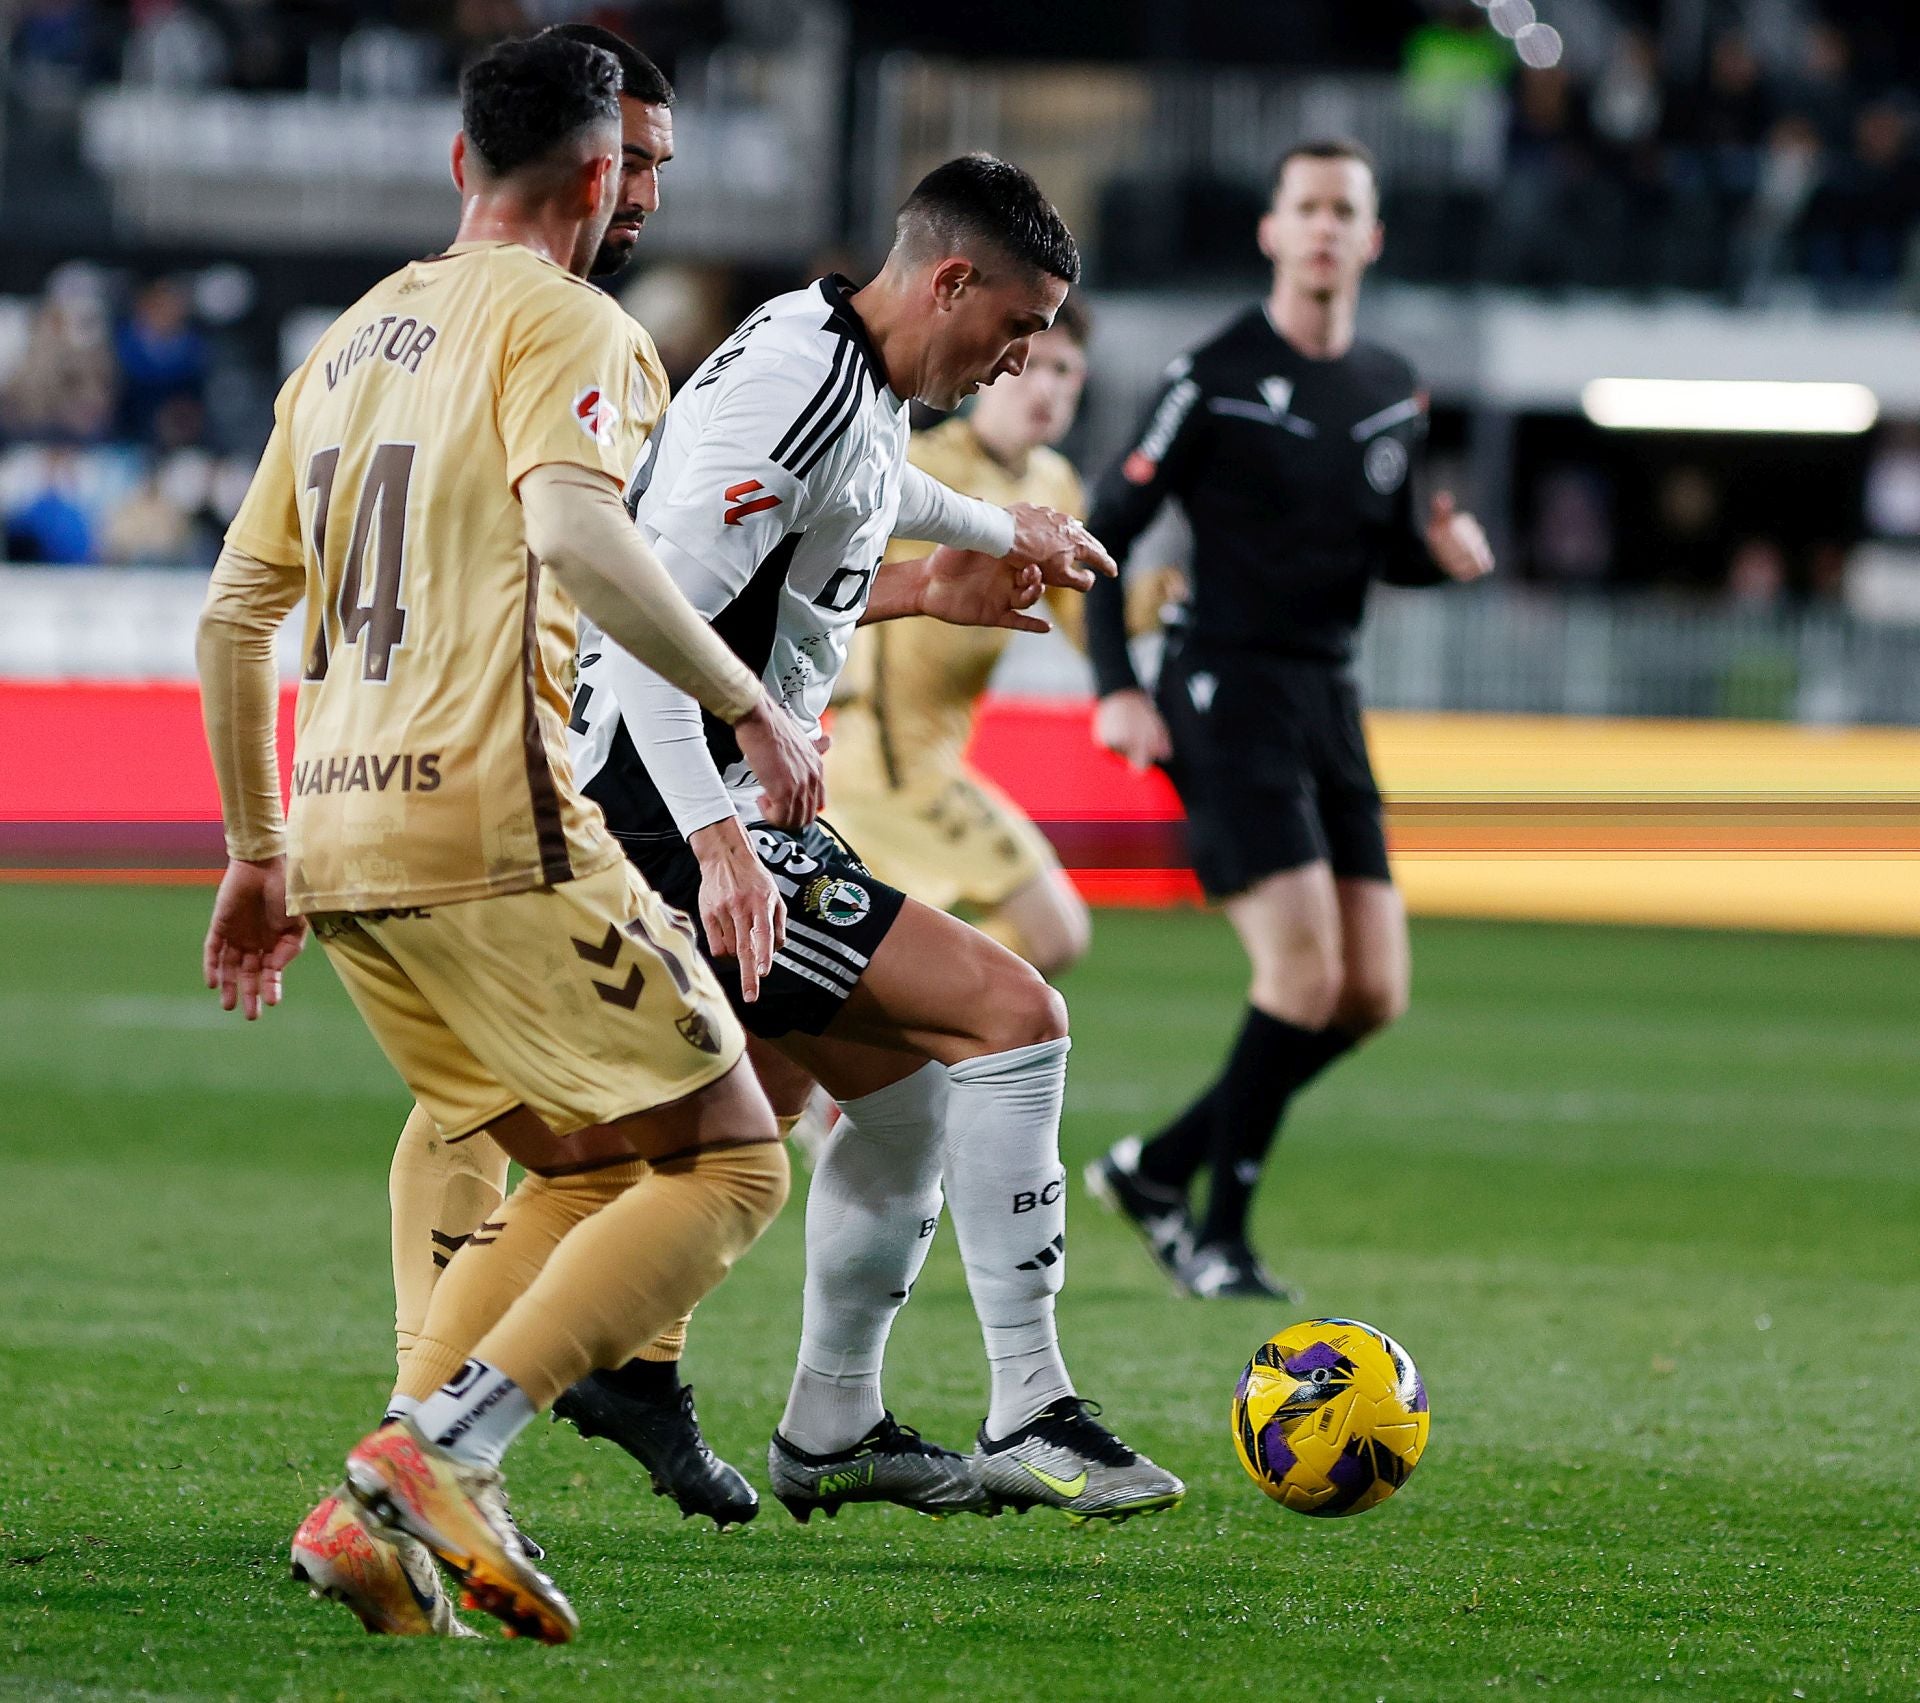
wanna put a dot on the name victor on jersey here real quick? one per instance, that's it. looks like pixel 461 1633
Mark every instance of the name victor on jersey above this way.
pixel 369 773
pixel 404 345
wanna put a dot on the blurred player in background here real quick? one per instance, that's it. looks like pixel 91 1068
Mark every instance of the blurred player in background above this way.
pixel 1291 446
pixel 444 484
pixel 899 784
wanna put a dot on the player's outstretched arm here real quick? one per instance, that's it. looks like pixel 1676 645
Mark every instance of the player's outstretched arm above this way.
pixel 960 587
pixel 251 938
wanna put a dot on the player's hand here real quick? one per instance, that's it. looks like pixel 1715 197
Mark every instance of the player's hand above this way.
pixel 1128 724
pixel 1458 541
pixel 251 938
pixel 740 908
pixel 1057 545
pixel 786 761
pixel 970 590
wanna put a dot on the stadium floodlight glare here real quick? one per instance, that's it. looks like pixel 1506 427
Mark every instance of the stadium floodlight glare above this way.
pixel 1539 46
pixel 1510 17
pixel 1729 405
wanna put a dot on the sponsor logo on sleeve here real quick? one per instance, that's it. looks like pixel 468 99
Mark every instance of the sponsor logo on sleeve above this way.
pixel 742 501
pixel 596 414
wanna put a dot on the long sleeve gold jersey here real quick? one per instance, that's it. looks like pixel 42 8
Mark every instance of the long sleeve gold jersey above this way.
pixel 430 760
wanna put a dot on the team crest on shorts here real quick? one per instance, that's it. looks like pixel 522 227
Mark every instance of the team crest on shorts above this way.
pixel 698 1032
pixel 841 903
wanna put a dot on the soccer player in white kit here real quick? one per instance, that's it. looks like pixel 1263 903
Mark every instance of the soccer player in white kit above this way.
pixel 780 475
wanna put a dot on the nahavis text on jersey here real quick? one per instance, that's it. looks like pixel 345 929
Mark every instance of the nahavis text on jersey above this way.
pixel 400 340
pixel 403 772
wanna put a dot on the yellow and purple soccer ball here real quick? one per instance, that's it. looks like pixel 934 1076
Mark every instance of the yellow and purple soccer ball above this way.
pixel 1330 1417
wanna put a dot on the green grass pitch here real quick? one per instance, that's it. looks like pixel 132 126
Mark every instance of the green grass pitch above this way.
pixel 1643 1206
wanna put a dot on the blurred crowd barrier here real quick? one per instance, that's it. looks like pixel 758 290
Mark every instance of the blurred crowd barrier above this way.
pixel 1576 819
pixel 1513 650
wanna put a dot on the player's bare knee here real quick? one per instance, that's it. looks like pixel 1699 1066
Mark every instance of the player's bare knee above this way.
pixel 1301 986
pixel 1023 1010
pixel 1367 1007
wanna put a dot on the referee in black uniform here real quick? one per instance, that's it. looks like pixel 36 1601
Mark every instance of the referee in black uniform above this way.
pixel 1291 446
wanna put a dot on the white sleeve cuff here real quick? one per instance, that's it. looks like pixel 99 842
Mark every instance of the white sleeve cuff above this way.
pixel 933 511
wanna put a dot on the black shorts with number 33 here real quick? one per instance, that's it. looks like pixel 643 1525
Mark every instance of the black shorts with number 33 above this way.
pixel 837 915
pixel 1270 761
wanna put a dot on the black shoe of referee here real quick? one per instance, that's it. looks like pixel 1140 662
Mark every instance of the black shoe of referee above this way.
pixel 1160 1215
pixel 663 1435
pixel 1230 1271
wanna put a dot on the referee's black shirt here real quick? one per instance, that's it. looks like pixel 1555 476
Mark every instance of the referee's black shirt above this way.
pixel 1296 477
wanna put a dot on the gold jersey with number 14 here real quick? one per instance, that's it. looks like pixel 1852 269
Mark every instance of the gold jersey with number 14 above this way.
pixel 430 759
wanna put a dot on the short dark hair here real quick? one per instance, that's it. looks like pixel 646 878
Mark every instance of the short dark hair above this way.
pixel 1326 148
pixel 522 99
pixel 1074 319
pixel 977 198
pixel 640 79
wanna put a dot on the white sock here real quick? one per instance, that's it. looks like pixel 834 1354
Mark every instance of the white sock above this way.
pixel 475 1414
pixel 400 1407
pixel 1008 1193
pixel 872 1208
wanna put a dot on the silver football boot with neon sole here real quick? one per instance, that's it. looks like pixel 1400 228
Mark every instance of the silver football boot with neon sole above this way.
pixel 1064 1458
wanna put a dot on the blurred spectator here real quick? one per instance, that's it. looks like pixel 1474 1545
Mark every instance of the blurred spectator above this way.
pixel 1893 483
pixel 163 368
pixel 174 46
pixel 50 525
pixel 1734 109
pixel 1820 89
pixel 54 47
pixel 1790 174
pixel 1573 527
pixel 63 388
pixel 1858 225
pixel 1628 101
pixel 148 528
pixel 1451 57
pixel 1757 576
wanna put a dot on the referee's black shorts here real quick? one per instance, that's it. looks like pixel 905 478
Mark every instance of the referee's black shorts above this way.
pixel 837 915
pixel 1270 761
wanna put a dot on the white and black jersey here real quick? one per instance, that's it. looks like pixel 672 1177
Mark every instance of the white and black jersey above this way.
pixel 780 474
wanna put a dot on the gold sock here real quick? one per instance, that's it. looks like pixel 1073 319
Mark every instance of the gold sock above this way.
pixel 500 1264
pixel 626 1273
pixel 439 1195
pixel 670 1344
pixel 788 1123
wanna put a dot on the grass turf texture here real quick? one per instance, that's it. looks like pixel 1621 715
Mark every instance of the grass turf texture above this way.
pixel 1641 1205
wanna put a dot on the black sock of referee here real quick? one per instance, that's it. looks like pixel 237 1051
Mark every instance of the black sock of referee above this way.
pixel 1271 1062
pixel 1170 1159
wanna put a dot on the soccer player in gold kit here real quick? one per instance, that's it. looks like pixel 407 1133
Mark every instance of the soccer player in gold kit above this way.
pixel 444 485
pixel 899 785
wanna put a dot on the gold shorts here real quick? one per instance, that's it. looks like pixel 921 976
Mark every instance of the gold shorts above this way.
pixel 948 837
pixel 583 1002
